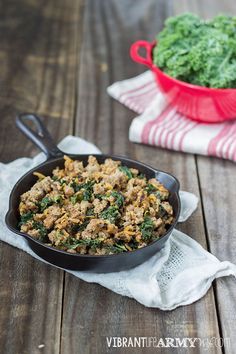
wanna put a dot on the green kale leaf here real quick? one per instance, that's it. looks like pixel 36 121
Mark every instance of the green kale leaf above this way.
pixel 91 243
pixel 111 213
pixel 126 171
pixel 119 199
pixel 147 228
pixel 26 217
pixel 150 188
pixel 86 188
pixel 199 52
pixel 45 203
pixel 117 248
pixel 42 230
pixel 48 201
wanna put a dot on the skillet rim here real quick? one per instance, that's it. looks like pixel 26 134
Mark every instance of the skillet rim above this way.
pixel 88 256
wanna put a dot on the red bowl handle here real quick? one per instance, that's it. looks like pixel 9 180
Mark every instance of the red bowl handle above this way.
pixel 147 60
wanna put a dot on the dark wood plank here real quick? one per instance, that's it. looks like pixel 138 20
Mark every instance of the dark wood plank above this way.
pixel 217 181
pixel 31 301
pixel 39 47
pixel 38 59
pixel 90 313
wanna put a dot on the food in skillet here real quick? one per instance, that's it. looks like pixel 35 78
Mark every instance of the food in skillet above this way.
pixel 97 209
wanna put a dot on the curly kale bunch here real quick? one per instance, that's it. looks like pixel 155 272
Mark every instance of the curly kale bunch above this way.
pixel 198 52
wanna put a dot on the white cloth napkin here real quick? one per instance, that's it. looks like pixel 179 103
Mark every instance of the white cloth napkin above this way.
pixel 179 274
pixel 159 124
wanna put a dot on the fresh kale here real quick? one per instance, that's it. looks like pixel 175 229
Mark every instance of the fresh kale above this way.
pixel 161 212
pixel 150 188
pixel 119 199
pixel 90 212
pixel 25 218
pixel 48 201
pixel 86 187
pixel 87 194
pixel 133 244
pixel 80 227
pixel 111 213
pixel 75 198
pixel 159 195
pixel 141 175
pixel 45 203
pixel 199 52
pixel 42 230
pixel 147 228
pixel 58 179
pixel 116 248
pixel 126 171
pixel 75 186
pixel 57 199
pixel 100 196
pixel 74 243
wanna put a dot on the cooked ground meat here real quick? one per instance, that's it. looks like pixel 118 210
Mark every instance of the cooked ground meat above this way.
pixel 95 209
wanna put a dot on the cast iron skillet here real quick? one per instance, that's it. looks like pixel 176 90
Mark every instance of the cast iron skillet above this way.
pixel 99 264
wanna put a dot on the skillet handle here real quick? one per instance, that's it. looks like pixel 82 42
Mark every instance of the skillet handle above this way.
pixel 40 136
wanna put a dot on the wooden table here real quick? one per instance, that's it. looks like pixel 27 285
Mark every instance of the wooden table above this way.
pixel 57 58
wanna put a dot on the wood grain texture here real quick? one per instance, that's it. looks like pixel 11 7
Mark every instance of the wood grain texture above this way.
pixel 38 58
pixel 217 180
pixel 92 313
pixel 31 304
pixel 217 184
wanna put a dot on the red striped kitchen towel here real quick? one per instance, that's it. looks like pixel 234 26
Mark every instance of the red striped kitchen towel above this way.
pixel 159 124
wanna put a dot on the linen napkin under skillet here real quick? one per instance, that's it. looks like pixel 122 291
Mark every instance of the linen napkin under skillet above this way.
pixel 159 124
pixel 179 274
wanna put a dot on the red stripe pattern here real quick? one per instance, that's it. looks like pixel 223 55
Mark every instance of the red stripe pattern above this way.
pixel 165 127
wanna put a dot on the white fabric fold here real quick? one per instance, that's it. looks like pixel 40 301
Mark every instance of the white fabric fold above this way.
pixel 179 274
pixel 160 124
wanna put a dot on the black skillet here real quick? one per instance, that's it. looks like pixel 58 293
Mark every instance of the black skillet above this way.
pixel 98 264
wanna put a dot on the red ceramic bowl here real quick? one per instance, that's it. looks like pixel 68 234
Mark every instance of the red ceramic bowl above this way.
pixel 207 105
